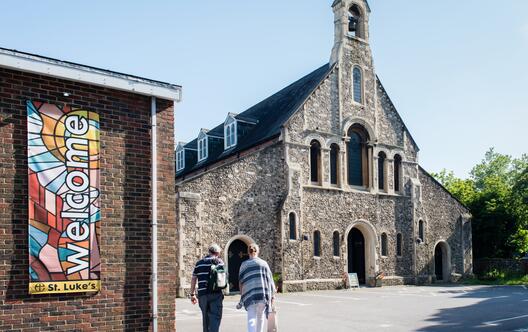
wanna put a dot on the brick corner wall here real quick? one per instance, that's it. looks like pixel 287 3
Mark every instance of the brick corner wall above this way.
pixel 124 301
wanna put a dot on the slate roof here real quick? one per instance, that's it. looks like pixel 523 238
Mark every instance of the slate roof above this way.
pixel 269 115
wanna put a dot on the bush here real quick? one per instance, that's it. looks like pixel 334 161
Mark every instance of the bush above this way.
pixel 492 275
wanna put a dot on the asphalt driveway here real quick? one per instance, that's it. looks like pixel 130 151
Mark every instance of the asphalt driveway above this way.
pixel 409 308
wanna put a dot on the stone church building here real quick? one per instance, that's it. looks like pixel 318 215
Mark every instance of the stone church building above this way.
pixel 325 177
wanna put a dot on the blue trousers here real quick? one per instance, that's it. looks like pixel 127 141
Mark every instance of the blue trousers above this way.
pixel 211 306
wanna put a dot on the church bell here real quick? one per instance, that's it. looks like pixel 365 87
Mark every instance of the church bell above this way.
pixel 352 24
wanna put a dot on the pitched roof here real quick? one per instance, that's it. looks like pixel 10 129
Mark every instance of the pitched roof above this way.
pixel 269 115
pixel 43 65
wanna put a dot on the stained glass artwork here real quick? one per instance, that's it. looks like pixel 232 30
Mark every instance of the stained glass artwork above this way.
pixel 64 199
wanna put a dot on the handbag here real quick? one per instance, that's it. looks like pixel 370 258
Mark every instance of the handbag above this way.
pixel 273 325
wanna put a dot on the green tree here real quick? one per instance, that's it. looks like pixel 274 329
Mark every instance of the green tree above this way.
pixel 519 208
pixel 497 195
pixel 463 189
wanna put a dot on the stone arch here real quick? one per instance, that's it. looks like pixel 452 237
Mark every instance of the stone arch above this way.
pixel 349 122
pixel 244 238
pixel 369 233
pixel 356 10
pixel 444 261
pixel 392 153
pixel 308 140
pixel 333 140
pixel 421 230
pixel 296 224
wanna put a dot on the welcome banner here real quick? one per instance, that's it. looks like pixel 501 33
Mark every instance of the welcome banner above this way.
pixel 64 199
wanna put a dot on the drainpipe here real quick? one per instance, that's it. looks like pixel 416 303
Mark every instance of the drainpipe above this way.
pixel 154 204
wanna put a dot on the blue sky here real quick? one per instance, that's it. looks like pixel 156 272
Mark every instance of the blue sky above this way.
pixel 456 70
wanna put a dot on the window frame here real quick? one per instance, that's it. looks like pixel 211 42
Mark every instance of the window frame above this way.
pixel 397 178
pixel 399 245
pixel 384 245
pixel 336 245
pixel 294 228
pixel 203 152
pixel 382 172
pixel 358 69
pixel 230 134
pixel 366 157
pixel 317 244
pixel 180 160
pixel 334 159
pixel 318 162
pixel 421 230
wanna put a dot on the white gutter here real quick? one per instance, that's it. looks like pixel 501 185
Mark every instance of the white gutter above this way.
pixel 154 205
pixel 36 64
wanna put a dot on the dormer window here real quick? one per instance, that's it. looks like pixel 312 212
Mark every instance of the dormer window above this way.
pixel 180 160
pixel 230 132
pixel 202 148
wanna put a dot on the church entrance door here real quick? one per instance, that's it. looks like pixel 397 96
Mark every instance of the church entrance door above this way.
pixel 237 253
pixel 356 254
pixel 439 268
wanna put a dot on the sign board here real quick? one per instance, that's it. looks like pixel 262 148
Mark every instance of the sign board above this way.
pixel 353 280
pixel 64 199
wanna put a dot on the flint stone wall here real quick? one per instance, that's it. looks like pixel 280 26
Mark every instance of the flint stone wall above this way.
pixel 444 221
pixel 242 198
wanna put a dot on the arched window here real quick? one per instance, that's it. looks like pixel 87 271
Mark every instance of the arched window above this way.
pixel 381 171
pixel 397 173
pixel 357 156
pixel 315 161
pixel 384 244
pixel 334 163
pixel 358 85
pixel 355 22
pixel 335 243
pixel 421 234
pixel 293 226
pixel 399 244
pixel 317 244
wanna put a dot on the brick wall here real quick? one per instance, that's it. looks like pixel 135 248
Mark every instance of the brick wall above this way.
pixel 125 243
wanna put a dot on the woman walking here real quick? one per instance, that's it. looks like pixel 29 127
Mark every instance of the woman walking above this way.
pixel 257 289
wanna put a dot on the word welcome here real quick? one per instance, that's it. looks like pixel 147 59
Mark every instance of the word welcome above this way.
pixel 78 197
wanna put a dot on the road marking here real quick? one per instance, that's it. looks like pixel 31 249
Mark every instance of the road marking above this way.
pixel 335 297
pixel 294 303
pixel 385 325
pixel 494 323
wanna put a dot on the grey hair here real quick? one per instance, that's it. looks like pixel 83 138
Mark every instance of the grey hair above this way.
pixel 214 248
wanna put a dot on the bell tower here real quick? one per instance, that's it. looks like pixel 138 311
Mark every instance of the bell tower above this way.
pixel 351 19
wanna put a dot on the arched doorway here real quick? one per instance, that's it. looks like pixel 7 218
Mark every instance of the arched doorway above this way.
pixel 356 254
pixel 442 265
pixel 236 254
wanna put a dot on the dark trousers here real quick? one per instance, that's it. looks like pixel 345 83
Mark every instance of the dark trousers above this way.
pixel 211 306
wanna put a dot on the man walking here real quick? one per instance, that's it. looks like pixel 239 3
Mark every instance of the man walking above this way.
pixel 210 302
pixel 256 289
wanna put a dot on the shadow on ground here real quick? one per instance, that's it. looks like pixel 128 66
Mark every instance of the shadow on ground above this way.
pixel 499 308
